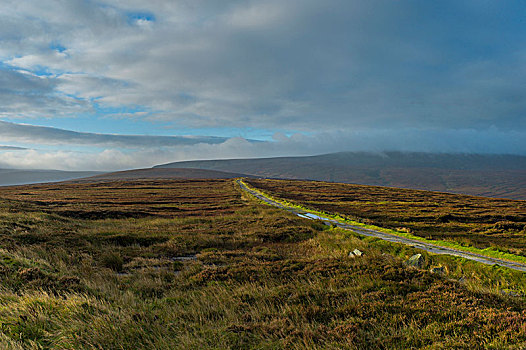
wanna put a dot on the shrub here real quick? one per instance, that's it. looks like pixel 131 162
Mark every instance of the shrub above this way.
pixel 112 261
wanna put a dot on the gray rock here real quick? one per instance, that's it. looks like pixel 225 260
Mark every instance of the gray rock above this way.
pixel 439 270
pixel 416 260
pixel 511 293
pixel 354 253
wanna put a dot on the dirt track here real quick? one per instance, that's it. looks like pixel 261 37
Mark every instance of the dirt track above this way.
pixel 432 248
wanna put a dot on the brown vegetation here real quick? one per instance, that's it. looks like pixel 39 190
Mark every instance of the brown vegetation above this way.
pixel 500 176
pixel 198 264
pixel 478 221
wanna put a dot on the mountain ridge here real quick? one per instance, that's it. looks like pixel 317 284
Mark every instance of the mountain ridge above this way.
pixel 490 175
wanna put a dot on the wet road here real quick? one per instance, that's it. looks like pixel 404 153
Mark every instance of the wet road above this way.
pixel 432 248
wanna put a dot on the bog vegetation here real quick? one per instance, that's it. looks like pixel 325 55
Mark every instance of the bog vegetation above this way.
pixel 472 221
pixel 195 264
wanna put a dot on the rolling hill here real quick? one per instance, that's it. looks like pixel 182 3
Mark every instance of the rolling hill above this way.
pixel 165 173
pixel 475 174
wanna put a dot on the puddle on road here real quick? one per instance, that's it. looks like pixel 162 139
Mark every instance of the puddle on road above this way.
pixel 325 220
pixel 123 274
pixel 311 216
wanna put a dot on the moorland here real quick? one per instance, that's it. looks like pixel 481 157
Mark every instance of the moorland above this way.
pixel 469 220
pixel 490 175
pixel 195 264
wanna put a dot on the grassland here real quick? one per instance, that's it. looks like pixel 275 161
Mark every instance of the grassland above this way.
pixel 196 264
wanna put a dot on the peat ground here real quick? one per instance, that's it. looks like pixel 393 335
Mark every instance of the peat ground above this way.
pixel 197 264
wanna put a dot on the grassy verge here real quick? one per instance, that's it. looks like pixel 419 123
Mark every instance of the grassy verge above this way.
pixel 475 276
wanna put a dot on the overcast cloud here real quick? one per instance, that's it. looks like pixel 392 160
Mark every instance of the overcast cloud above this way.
pixel 30 134
pixel 337 74
pixel 119 152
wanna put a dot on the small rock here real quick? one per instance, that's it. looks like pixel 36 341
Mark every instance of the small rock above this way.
pixel 439 270
pixel 354 253
pixel 416 260
pixel 510 293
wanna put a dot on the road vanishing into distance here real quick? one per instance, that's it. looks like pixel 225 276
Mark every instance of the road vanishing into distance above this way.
pixel 432 248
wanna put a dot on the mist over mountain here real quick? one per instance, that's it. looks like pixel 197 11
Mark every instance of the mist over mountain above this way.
pixel 164 174
pixel 475 174
pixel 22 176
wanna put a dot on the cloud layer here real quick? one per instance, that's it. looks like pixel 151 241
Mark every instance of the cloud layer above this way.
pixel 299 64
pixel 346 74
pixel 30 134
pixel 118 152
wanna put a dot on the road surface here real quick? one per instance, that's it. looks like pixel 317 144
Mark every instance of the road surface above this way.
pixel 432 248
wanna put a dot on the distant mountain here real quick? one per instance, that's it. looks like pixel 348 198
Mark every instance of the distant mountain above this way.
pixel 23 177
pixel 476 174
pixel 165 173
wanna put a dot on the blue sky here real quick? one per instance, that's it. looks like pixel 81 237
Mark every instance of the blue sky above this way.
pixel 302 76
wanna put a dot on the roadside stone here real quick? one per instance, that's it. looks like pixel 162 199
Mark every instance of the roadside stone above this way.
pixel 510 292
pixel 354 253
pixel 438 270
pixel 416 260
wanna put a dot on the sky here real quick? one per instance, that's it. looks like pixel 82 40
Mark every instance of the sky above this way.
pixel 120 84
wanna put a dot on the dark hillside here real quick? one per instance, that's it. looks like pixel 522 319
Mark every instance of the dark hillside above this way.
pixel 166 173
pixel 483 175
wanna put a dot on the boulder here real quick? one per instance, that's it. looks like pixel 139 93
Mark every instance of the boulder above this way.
pixel 416 260
pixel 354 253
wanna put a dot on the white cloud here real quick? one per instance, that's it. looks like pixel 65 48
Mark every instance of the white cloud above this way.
pixel 258 15
pixel 301 65
pixel 329 67
pixel 165 150
pixel 30 134
pixel 24 95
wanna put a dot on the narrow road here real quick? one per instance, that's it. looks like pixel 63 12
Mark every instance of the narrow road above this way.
pixel 432 248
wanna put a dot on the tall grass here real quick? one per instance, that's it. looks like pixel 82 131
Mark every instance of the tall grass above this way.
pixel 237 275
